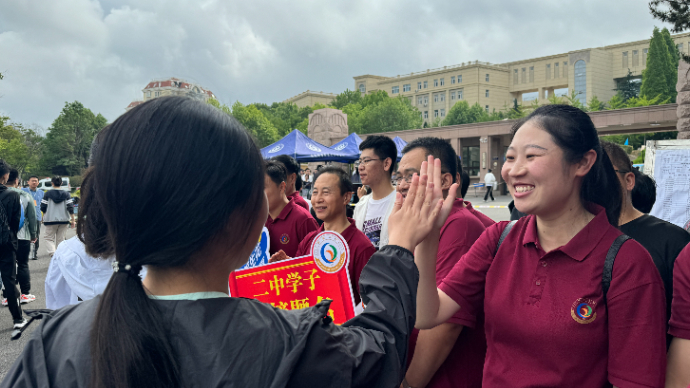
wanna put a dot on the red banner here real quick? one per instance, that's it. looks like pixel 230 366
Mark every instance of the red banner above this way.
pixel 303 281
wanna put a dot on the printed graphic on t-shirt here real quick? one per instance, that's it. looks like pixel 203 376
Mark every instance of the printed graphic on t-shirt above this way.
pixel 372 229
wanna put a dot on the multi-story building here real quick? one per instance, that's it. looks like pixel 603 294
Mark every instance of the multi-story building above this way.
pixel 309 98
pixel 589 72
pixel 172 87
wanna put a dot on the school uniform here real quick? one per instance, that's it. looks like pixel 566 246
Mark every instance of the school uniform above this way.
pixel 361 250
pixel 679 325
pixel 298 200
pixel 465 363
pixel 485 220
pixel 291 226
pixel 547 323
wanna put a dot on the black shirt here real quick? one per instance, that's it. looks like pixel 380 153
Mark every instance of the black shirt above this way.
pixel 10 201
pixel 663 241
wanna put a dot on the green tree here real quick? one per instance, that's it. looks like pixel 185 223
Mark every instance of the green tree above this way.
pixel 463 113
pixel 672 64
pixel 256 123
pixel 676 12
pixel 515 112
pixel 616 102
pixel 574 100
pixel 555 100
pixel 629 87
pixel 595 105
pixel 655 75
pixel 345 98
pixel 68 141
pixel 389 114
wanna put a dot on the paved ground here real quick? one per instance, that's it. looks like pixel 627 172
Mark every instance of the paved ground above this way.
pixel 10 350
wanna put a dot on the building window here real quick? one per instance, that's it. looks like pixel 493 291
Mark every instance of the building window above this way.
pixel 531 74
pixel 486 93
pixel 680 47
pixel 407 88
pixel 426 84
pixel 636 58
pixel 452 96
pixel 395 89
pixel 435 97
pixel 565 69
pixel 486 108
pixel 362 88
pixel 436 83
pixel 156 94
pixel 419 100
pixel 443 97
pixel 443 81
pixel 644 56
pixel 148 94
pixel 556 71
pixel 426 114
pixel 443 113
pixel 419 86
pixel 452 80
pixel 460 79
pixel 548 71
pixel 487 78
pixel 426 100
pixel 581 81
pixel 625 59
pixel 470 160
pixel 460 94
pixel 435 113
pixel 524 75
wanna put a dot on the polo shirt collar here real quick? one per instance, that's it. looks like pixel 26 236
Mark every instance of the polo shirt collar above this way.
pixel 286 210
pixel 583 243
pixel 347 233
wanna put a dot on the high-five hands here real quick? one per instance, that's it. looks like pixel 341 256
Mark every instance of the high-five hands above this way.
pixel 278 256
pixel 423 210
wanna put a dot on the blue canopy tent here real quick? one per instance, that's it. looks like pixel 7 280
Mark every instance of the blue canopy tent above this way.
pixel 302 148
pixel 349 146
pixel 399 144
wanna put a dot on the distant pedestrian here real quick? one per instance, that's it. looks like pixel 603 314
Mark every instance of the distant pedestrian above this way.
pixel 307 181
pixel 489 181
pixel 10 217
pixel 58 214
pixel 25 236
pixel 37 195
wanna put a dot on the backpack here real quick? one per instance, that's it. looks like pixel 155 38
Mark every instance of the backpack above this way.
pixel 608 262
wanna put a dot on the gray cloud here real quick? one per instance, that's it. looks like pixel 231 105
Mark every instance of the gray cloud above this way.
pixel 103 53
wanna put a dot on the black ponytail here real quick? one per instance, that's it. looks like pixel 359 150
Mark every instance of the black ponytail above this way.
pixel 573 131
pixel 134 208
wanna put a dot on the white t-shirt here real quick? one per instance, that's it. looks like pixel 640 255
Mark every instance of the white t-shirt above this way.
pixel 376 210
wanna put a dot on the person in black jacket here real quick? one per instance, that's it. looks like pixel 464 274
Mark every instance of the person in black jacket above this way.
pixel 179 328
pixel 10 216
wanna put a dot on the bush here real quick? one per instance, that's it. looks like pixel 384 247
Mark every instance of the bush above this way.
pixel 75 180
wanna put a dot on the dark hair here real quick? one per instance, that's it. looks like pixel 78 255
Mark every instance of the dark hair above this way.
pixel 384 147
pixel 573 131
pixel 14 174
pixel 644 193
pixel 489 170
pixel 276 171
pixel 151 144
pixel 56 181
pixel 292 168
pixel 465 184
pixel 439 148
pixel 346 185
pixel 33 176
pixel 4 167
pixel 618 156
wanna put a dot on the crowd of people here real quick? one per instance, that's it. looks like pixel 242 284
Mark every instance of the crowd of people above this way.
pixel 582 288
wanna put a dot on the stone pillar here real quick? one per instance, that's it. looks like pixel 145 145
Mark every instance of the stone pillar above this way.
pixel 683 100
pixel 326 124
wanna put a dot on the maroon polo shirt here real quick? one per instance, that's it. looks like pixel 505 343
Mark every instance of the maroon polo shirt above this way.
pixel 486 221
pixel 298 200
pixel 679 326
pixel 465 362
pixel 289 228
pixel 361 250
pixel 547 324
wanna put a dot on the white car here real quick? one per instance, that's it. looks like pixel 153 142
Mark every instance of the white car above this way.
pixel 45 184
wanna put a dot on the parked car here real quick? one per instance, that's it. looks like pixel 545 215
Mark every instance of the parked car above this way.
pixel 45 184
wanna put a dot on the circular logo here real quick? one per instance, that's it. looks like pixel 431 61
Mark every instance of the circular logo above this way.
pixel 341 147
pixel 276 149
pixel 313 147
pixel 330 251
pixel 583 312
pixel 284 239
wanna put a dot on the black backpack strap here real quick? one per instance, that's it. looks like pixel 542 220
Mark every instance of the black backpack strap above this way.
pixel 506 230
pixel 608 263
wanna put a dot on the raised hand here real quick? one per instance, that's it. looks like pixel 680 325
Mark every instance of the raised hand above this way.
pixel 433 170
pixel 278 256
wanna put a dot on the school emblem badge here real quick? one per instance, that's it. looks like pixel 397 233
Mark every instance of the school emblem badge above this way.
pixel 583 312
pixel 330 251
pixel 284 239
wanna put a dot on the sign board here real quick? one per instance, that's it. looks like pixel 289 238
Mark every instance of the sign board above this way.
pixel 303 281
pixel 668 162
pixel 260 254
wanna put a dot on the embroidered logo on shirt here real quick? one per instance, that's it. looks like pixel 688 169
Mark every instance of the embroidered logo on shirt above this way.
pixel 284 239
pixel 583 312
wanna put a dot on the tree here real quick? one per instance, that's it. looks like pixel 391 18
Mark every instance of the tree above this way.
pixel 256 123
pixel 390 114
pixel 629 87
pixel 345 98
pixel 515 112
pixel 595 105
pixel 676 12
pixel 616 102
pixel 573 99
pixel 655 75
pixel 672 64
pixel 462 113
pixel 68 142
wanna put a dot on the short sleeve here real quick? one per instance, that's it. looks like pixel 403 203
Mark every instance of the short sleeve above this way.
pixel 465 282
pixel 636 311
pixel 679 326
pixel 307 226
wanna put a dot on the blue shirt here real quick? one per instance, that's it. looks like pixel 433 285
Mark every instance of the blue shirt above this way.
pixel 38 197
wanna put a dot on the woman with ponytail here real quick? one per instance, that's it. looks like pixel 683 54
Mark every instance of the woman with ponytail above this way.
pixel 557 312
pixel 162 193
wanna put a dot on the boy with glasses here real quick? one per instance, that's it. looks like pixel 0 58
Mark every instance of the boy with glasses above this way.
pixel 376 165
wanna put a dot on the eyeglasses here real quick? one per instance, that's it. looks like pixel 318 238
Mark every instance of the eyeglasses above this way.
pixel 407 179
pixel 365 161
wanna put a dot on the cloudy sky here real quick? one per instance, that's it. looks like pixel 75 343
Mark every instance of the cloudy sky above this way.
pixel 103 53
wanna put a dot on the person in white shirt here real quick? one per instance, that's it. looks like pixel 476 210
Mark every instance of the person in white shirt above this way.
pixel 489 181
pixel 376 164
